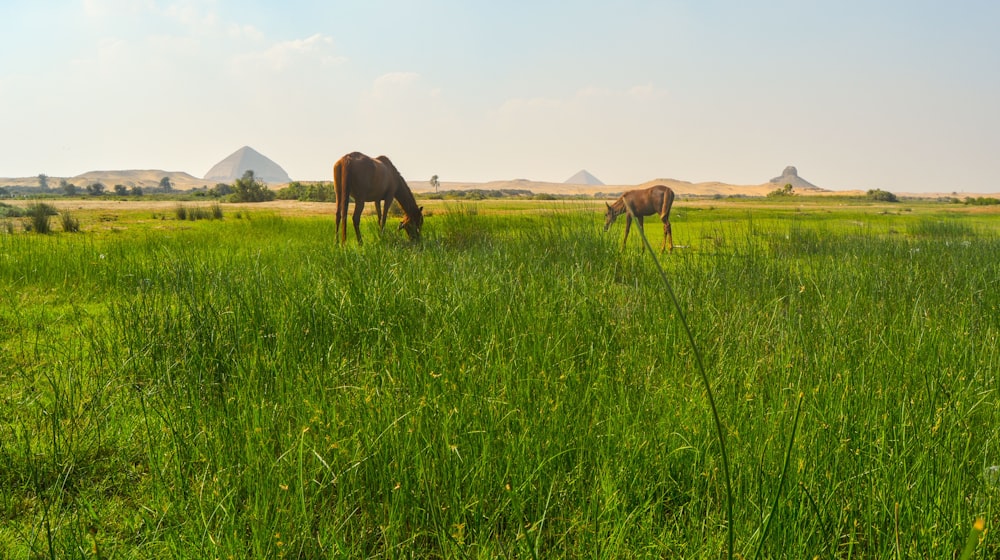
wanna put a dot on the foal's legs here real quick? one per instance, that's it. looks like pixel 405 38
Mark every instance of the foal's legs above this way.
pixel 628 225
pixel 667 236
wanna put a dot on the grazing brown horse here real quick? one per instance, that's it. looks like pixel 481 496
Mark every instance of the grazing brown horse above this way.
pixel 643 202
pixel 366 179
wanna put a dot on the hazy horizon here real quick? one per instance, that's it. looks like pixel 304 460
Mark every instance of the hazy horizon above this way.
pixel 898 95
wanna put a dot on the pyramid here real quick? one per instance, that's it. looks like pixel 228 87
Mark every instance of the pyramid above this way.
pixel 242 160
pixel 582 177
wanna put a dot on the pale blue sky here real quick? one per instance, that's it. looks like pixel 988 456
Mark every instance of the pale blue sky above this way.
pixel 899 95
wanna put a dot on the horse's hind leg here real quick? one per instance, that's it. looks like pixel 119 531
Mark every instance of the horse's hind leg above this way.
pixel 341 231
pixel 359 207
pixel 336 231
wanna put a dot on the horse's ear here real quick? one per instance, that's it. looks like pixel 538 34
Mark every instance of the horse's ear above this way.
pixel 608 205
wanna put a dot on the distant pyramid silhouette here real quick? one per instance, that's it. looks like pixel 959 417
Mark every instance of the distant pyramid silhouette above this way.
pixel 582 177
pixel 242 160
pixel 790 176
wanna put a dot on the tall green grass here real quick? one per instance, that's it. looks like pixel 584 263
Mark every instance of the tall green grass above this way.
pixel 515 385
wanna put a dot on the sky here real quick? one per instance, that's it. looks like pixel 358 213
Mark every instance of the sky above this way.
pixel 902 95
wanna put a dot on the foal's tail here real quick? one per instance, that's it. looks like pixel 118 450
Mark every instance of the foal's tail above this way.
pixel 668 201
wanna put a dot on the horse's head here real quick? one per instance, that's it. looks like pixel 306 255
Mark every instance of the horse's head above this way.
pixel 413 224
pixel 610 215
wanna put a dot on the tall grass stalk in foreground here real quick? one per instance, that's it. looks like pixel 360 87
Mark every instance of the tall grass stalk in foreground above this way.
pixel 719 430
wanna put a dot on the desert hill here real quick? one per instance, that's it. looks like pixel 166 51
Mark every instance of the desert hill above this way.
pixel 135 177
pixel 586 184
pixel 144 178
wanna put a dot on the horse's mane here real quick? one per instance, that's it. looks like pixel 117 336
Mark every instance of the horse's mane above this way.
pixel 618 206
pixel 403 193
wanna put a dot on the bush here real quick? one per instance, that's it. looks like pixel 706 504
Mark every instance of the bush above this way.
pixel 220 190
pixel 250 189
pixel 783 191
pixel 69 223
pixel 982 201
pixel 8 211
pixel 38 217
pixel 213 212
pixel 882 196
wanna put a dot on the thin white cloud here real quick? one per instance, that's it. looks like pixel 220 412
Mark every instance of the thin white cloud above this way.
pixel 316 49
pixel 392 83
pixel 237 31
pixel 194 14
pixel 104 8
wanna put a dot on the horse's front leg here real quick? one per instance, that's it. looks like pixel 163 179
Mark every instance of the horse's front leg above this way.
pixel 628 225
pixel 359 207
pixel 384 216
pixel 378 212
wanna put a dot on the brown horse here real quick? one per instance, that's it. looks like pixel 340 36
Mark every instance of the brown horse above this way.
pixel 365 179
pixel 643 202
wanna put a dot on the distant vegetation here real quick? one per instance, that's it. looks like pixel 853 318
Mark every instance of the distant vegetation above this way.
pixel 982 201
pixel 882 196
pixel 250 189
pixel 309 192
pixel 783 191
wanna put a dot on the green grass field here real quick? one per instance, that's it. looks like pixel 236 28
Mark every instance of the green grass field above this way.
pixel 516 385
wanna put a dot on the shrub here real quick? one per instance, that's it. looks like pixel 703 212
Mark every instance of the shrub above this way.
pixel 250 189
pixel 213 212
pixel 783 191
pixel 38 217
pixel 882 196
pixel 982 201
pixel 8 211
pixel 69 223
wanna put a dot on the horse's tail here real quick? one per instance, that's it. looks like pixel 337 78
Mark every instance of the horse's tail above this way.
pixel 668 201
pixel 341 181
pixel 340 171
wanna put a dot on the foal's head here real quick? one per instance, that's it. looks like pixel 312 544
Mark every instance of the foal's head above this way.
pixel 412 224
pixel 614 210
